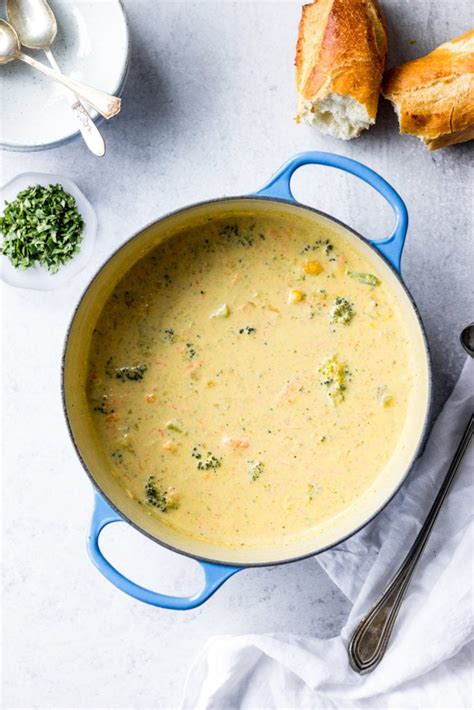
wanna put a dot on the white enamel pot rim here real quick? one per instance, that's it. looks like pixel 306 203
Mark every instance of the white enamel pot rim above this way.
pixel 277 192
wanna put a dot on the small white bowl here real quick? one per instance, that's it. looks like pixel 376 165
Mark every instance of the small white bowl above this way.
pixel 92 45
pixel 38 277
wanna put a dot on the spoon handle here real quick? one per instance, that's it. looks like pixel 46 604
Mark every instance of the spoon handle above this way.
pixel 89 130
pixel 108 106
pixel 370 639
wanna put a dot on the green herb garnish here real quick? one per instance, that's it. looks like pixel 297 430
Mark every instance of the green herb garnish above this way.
pixel 41 226
pixel 236 234
pixel 191 351
pixel 117 456
pixel 324 243
pixel 369 279
pixel 248 330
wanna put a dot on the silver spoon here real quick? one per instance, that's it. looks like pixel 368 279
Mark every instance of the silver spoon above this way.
pixel 108 106
pixel 36 26
pixel 467 339
pixel 370 639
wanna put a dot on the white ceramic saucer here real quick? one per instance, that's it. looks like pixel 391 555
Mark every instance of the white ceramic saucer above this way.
pixel 92 45
pixel 37 277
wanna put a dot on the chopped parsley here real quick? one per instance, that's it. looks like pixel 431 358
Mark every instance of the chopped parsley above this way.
pixel 236 234
pixel 342 311
pixel 318 244
pixel 41 226
pixel 117 456
pixel 247 330
pixel 191 352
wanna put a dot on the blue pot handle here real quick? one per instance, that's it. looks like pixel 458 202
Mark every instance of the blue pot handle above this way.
pixel 214 575
pixel 279 187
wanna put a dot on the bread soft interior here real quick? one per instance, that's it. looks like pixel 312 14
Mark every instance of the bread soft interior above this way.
pixel 336 115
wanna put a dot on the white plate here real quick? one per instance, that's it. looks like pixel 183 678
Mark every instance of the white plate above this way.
pixel 92 45
pixel 37 277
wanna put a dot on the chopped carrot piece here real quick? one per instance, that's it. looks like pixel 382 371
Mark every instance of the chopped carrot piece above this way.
pixel 235 443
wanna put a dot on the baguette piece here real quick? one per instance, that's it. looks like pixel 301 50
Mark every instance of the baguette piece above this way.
pixel 433 96
pixel 340 58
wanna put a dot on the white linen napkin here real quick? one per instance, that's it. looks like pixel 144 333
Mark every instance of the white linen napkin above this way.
pixel 429 660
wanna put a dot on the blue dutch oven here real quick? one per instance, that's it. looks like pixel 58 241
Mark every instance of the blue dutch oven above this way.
pixel 111 502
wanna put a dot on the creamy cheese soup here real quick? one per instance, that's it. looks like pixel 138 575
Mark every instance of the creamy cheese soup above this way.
pixel 249 379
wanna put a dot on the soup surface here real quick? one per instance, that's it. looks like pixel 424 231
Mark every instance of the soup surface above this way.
pixel 249 380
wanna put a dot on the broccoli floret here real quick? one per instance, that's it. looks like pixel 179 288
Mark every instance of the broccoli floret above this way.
pixel 255 469
pixel 342 311
pixel 159 498
pixel 210 461
pixel 130 373
pixel 169 336
pixel 334 376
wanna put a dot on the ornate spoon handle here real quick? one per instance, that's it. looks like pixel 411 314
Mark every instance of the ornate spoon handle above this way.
pixel 370 639
pixel 89 131
pixel 105 104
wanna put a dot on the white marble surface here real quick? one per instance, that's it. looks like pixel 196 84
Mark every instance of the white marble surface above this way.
pixel 208 110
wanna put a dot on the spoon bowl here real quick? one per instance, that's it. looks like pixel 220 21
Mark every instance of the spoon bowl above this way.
pixel 34 22
pixel 467 339
pixel 9 43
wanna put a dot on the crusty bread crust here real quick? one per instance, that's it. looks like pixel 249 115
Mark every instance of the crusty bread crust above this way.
pixel 434 95
pixel 341 49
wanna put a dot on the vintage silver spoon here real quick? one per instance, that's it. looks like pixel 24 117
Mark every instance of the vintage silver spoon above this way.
pixel 467 339
pixel 370 639
pixel 108 106
pixel 35 24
